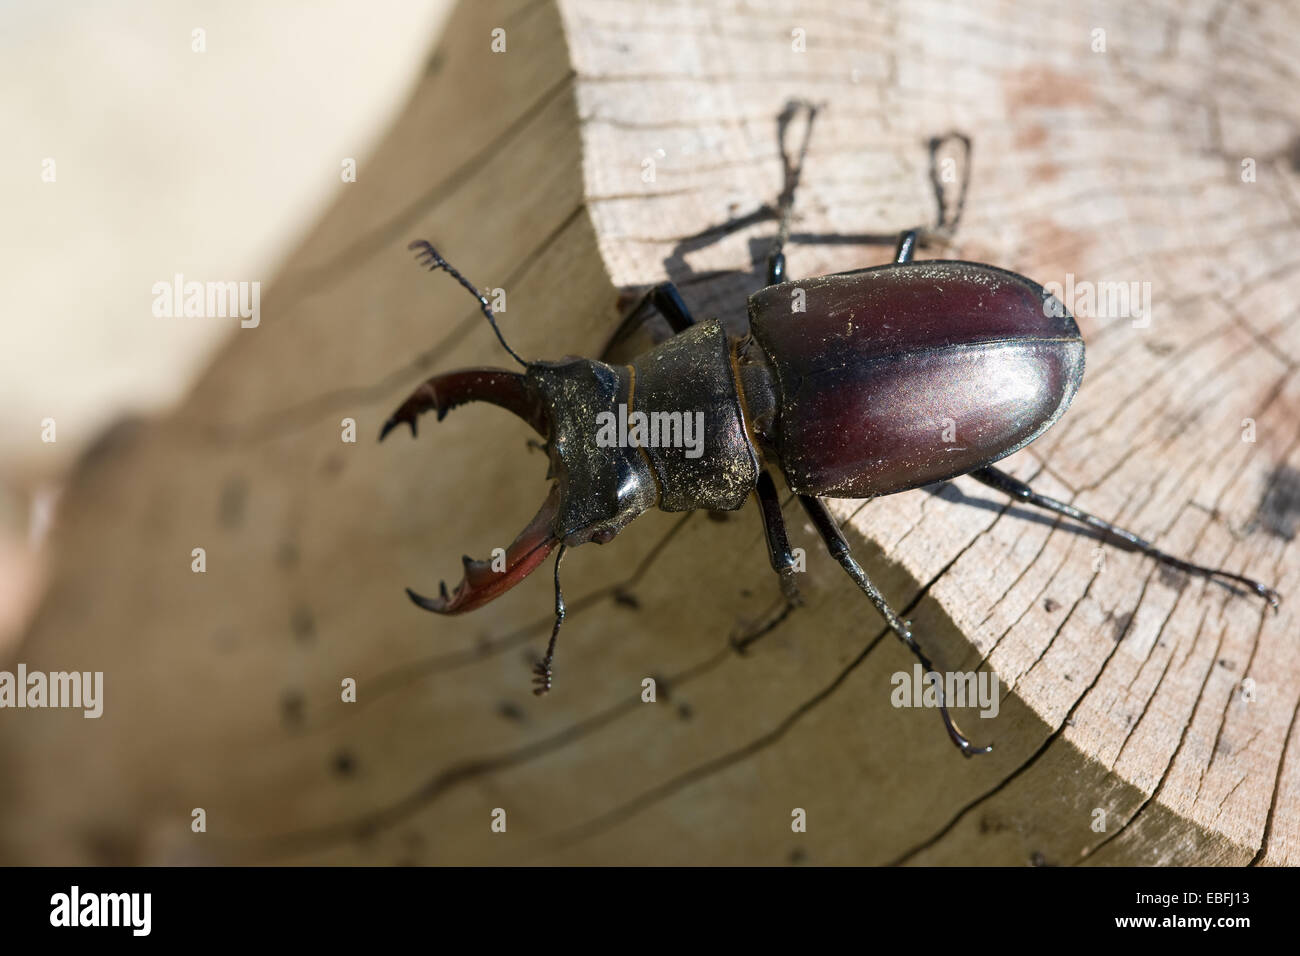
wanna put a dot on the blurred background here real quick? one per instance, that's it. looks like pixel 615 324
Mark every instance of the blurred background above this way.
pixel 205 154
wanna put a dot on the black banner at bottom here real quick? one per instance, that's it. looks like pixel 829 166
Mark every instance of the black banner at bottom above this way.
pixel 333 905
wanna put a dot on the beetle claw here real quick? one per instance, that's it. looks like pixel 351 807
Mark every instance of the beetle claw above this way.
pixel 484 581
pixel 421 601
pixel 394 421
pixel 1273 598
pixel 442 393
pixel 963 743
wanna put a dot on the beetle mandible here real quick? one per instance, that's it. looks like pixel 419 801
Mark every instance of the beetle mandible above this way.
pixel 840 398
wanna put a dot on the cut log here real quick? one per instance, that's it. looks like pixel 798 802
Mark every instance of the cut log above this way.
pixel 1143 716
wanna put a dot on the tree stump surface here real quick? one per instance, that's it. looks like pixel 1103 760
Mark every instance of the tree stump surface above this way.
pixel 1146 717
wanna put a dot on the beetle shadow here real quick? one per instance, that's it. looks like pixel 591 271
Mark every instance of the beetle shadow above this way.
pixel 948 214
pixel 641 328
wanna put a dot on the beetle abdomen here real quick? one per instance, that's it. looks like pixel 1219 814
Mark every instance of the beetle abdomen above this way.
pixel 899 376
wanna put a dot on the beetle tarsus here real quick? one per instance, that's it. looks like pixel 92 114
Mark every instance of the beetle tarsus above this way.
pixel 963 743
pixel 967 748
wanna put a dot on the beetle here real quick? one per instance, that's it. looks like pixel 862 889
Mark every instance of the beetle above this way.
pixel 840 398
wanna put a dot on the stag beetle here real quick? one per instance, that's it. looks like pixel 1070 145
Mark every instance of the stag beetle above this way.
pixel 841 398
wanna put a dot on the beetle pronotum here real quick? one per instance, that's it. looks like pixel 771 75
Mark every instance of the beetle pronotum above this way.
pixel 831 397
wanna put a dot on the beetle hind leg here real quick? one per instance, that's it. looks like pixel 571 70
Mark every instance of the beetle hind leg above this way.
pixel 1017 489
pixel 839 550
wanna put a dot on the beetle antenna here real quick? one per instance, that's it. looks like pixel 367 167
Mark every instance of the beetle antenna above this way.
pixel 428 256
pixel 542 671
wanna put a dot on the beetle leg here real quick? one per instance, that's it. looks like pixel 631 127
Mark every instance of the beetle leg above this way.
pixel 839 550
pixel 542 673
pixel 625 343
pixel 668 301
pixel 1017 489
pixel 906 248
pixel 778 544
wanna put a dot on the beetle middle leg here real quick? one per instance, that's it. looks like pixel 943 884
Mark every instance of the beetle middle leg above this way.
pixel 838 547
pixel 906 248
pixel 1015 488
pixel 778 543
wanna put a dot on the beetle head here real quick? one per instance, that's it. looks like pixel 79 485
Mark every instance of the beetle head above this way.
pixel 596 489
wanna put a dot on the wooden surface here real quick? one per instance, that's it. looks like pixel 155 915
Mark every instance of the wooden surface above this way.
pixel 1123 686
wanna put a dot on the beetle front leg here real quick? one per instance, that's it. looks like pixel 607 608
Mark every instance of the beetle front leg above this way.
pixel 668 301
pixel 839 550
pixel 663 299
pixel 542 673
pixel 1015 488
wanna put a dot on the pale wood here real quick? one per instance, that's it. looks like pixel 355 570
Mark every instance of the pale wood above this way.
pixel 1125 684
